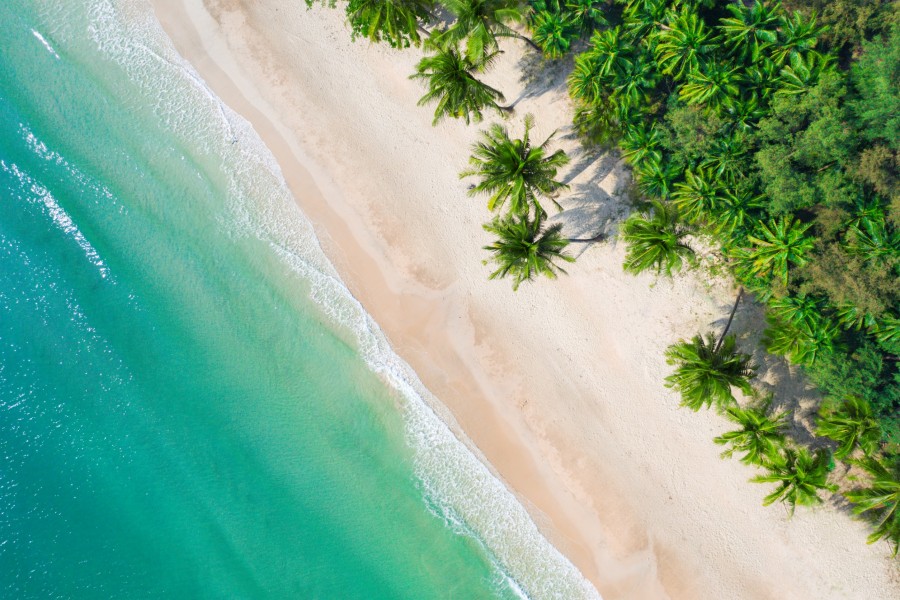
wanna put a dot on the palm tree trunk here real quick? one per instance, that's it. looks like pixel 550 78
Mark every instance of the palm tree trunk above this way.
pixel 528 41
pixel 730 318
pixel 597 238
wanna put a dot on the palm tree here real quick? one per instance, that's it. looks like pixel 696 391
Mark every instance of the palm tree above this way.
pixel 524 249
pixel 586 82
pixel 745 111
pixel 654 179
pixel 631 86
pixel 515 170
pixel 804 72
pixel 750 29
pixel 726 158
pixel 655 241
pixel 587 14
pixel 852 426
pixel 642 143
pixel 554 33
pixel 452 83
pixel 881 500
pixel 734 211
pixel 682 43
pixel 611 50
pixel 852 317
pixel 398 22
pixel 797 35
pixel 480 23
pixel 799 475
pixel 641 18
pixel 713 84
pixel 887 330
pixel 698 195
pixel 760 437
pixel 706 371
pixel 802 344
pixel 779 244
pixel 799 310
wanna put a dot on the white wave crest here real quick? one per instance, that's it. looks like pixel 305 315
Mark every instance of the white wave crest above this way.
pixel 454 480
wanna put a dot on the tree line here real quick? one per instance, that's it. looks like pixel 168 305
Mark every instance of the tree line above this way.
pixel 768 131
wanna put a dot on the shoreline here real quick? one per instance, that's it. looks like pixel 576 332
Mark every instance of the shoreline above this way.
pixel 559 386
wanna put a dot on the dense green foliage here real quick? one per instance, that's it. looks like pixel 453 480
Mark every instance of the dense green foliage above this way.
pixel 768 131
pixel 778 137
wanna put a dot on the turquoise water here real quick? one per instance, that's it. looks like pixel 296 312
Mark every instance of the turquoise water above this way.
pixel 191 404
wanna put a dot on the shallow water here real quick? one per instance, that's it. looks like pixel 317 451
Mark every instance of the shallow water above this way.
pixel 191 403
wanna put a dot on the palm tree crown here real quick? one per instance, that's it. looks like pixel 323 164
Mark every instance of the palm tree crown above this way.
pixel 881 499
pixel 452 83
pixel 480 22
pixel 395 21
pixel 759 438
pixel 524 250
pixel 515 170
pixel 655 241
pixel 852 426
pixel 705 374
pixel 780 243
pixel 799 475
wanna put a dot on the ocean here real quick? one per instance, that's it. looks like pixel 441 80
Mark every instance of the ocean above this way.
pixel 192 405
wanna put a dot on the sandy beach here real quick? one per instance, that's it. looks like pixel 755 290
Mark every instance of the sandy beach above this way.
pixel 559 385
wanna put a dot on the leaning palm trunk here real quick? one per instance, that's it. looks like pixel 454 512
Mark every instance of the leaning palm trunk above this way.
pixel 730 318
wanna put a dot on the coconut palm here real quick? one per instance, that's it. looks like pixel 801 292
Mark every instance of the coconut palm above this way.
pixel 852 317
pixel 797 35
pixel 553 32
pixel 515 170
pixel 803 72
pixel 760 436
pixel 706 371
pixel 763 78
pixel 734 211
pixel 852 426
pixel 524 249
pixel 682 43
pixel 779 244
pixel 480 23
pixel 802 344
pixel 713 84
pixel 631 86
pixel 800 310
pixel 881 500
pixel 744 111
pixel 397 22
pixel 800 476
pixel 698 195
pixel 654 241
pixel 642 143
pixel 642 17
pixel 612 51
pixel 587 14
pixel 451 81
pixel 887 330
pixel 656 177
pixel 726 159
pixel 750 29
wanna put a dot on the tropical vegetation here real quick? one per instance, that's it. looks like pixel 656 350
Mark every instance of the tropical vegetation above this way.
pixel 766 134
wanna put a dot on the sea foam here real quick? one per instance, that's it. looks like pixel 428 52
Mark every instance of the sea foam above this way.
pixel 457 485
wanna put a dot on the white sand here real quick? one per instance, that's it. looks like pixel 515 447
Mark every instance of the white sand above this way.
pixel 559 385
